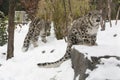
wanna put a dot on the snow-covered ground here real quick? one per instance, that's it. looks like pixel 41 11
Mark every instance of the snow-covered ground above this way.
pixel 24 64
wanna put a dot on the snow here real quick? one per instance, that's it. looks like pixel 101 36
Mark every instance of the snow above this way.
pixel 23 66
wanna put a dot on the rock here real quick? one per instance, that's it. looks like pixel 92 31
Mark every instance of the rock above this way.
pixel 80 63
pixel 114 35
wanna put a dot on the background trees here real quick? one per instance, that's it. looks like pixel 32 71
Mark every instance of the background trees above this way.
pixel 62 13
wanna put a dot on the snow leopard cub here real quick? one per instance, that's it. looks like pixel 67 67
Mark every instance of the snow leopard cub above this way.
pixel 37 27
pixel 84 30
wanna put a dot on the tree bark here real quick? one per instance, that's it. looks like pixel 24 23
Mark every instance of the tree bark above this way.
pixel 11 25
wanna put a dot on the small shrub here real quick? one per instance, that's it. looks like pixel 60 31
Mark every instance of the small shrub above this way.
pixel 3 31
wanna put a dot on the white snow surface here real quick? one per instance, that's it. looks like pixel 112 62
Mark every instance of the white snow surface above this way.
pixel 23 66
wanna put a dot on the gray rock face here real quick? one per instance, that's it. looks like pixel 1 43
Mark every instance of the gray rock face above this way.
pixel 80 63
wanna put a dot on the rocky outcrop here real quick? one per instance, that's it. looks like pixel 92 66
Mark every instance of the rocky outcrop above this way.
pixel 80 63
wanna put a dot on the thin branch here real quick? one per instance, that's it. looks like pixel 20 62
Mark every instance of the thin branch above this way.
pixel 70 16
pixel 53 4
pixel 69 2
pixel 65 14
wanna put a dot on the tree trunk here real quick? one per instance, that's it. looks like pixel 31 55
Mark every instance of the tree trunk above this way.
pixel 109 12
pixel 117 15
pixel 10 47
